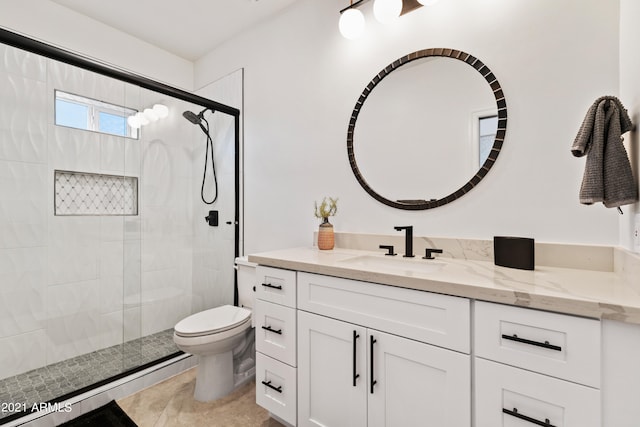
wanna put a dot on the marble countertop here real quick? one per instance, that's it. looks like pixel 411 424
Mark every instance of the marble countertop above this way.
pixel 595 294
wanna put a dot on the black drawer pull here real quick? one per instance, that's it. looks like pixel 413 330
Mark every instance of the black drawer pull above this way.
pixel 268 328
pixel 372 341
pixel 545 344
pixel 268 384
pixel 514 413
pixel 355 375
pixel 269 285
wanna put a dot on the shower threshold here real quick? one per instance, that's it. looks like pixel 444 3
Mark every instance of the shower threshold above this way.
pixel 25 393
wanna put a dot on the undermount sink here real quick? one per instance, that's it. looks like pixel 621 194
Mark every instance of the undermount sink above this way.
pixel 400 264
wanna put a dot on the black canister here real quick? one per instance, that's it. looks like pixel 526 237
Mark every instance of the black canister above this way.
pixel 514 252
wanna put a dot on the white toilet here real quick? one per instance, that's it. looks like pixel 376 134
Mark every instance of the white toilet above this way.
pixel 223 340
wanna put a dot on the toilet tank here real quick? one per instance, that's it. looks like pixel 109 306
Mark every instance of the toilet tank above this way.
pixel 246 281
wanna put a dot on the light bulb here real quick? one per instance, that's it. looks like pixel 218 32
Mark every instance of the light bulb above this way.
pixel 351 24
pixel 142 119
pixel 150 114
pixel 134 122
pixel 161 110
pixel 387 10
pixel 428 2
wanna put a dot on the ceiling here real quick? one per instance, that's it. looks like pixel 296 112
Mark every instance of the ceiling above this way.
pixel 186 28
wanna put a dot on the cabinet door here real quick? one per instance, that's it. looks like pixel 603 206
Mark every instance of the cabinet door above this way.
pixel 510 397
pixel 416 384
pixel 331 372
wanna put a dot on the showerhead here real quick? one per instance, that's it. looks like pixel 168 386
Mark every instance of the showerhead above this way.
pixel 194 118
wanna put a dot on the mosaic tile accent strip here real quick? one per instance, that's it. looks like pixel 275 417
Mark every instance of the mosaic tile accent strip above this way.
pixel 55 380
pixel 79 193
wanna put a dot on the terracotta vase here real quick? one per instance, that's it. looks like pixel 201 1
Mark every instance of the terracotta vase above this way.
pixel 326 238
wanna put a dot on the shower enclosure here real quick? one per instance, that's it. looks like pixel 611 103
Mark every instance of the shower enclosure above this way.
pixel 103 242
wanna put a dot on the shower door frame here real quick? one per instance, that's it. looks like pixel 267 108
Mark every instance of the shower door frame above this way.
pixel 34 46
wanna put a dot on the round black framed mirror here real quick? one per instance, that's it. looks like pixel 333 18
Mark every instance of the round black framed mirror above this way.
pixel 430 131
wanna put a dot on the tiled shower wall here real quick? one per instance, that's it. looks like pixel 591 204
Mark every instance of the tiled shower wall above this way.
pixel 70 285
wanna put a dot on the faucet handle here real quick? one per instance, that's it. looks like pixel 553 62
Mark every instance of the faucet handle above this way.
pixel 389 249
pixel 428 253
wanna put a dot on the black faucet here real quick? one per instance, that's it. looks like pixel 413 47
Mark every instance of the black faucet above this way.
pixel 408 240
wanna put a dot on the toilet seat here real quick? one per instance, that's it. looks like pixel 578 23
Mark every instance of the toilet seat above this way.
pixel 213 321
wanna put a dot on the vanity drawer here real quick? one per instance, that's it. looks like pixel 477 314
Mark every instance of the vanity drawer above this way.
pixel 276 389
pixel 276 331
pixel 510 397
pixel 559 345
pixel 436 319
pixel 276 285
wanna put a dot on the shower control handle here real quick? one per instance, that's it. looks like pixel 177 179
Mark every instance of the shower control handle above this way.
pixel 212 218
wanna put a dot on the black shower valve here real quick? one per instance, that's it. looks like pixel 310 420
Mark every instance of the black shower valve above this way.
pixel 212 219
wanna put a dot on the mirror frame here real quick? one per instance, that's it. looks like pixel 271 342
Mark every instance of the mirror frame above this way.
pixel 501 104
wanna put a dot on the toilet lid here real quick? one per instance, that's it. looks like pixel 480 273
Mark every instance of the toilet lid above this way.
pixel 211 321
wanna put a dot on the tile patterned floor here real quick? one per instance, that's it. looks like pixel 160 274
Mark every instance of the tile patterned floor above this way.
pixel 171 404
pixel 49 382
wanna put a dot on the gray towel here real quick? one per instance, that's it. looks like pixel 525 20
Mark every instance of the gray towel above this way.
pixel 608 177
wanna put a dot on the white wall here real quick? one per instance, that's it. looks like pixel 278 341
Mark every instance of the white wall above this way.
pixel 56 25
pixel 630 97
pixel 302 80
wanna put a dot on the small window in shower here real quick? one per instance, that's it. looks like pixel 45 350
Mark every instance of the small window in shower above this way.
pixel 79 112
pixel 79 193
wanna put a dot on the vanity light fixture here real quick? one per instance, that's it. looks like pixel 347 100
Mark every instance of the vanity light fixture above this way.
pixel 387 10
pixel 161 110
pixel 352 21
pixel 148 115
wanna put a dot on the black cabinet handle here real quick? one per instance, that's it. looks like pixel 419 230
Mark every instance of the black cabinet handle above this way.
pixel 268 328
pixel 269 285
pixel 268 384
pixel 515 413
pixel 355 375
pixel 372 341
pixel 545 344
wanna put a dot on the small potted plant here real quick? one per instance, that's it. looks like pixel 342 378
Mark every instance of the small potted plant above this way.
pixel 323 211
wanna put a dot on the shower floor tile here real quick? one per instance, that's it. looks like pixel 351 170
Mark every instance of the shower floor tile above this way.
pixel 55 380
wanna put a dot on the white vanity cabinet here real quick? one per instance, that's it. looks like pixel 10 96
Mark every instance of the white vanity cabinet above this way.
pixel 274 317
pixel 444 360
pixel 535 368
pixel 363 357
pixel 352 376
